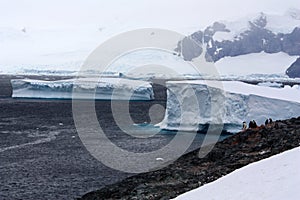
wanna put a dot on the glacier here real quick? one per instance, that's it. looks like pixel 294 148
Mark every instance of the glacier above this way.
pixel 227 103
pixel 103 89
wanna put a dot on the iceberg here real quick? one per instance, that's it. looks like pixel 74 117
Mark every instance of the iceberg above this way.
pixel 103 89
pixel 227 103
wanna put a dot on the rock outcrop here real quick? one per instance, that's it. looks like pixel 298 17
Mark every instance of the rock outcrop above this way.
pixel 294 70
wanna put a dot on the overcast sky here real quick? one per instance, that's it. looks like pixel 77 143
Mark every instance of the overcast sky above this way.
pixel 172 14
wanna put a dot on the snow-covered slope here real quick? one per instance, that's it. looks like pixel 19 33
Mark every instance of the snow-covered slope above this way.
pixel 106 88
pixel 284 24
pixel 43 51
pixel 255 63
pixel 191 104
pixel 274 178
pixel 62 52
pixel 152 63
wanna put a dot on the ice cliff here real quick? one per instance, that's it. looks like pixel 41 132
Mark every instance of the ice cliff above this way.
pixel 191 105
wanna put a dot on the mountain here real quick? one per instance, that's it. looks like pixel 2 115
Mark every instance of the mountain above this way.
pixel 253 34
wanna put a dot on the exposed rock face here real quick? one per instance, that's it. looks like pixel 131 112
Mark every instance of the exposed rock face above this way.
pixel 190 172
pixel 291 42
pixel 255 37
pixel 294 70
pixel 190 47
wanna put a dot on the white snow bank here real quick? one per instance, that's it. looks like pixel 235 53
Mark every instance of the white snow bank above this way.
pixel 296 87
pixel 255 63
pixel 228 102
pixel 277 177
pixel 62 89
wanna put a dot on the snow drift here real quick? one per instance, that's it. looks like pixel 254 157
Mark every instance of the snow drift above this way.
pixel 106 89
pixel 229 103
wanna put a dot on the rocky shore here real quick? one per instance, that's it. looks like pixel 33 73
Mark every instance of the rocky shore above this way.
pixel 190 172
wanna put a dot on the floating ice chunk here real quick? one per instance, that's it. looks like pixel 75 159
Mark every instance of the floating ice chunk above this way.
pixel 104 88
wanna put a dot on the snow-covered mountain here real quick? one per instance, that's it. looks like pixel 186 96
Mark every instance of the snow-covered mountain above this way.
pixel 257 44
pixel 260 33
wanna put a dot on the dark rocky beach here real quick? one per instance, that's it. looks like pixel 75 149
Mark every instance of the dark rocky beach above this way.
pixel 190 171
pixel 41 155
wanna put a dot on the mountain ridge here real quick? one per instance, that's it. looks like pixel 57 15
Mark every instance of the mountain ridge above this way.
pixel 259 33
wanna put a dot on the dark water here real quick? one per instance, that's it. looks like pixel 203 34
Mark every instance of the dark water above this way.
pixel 42 157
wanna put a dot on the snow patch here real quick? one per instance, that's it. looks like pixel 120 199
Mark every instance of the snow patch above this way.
pixel 221 36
